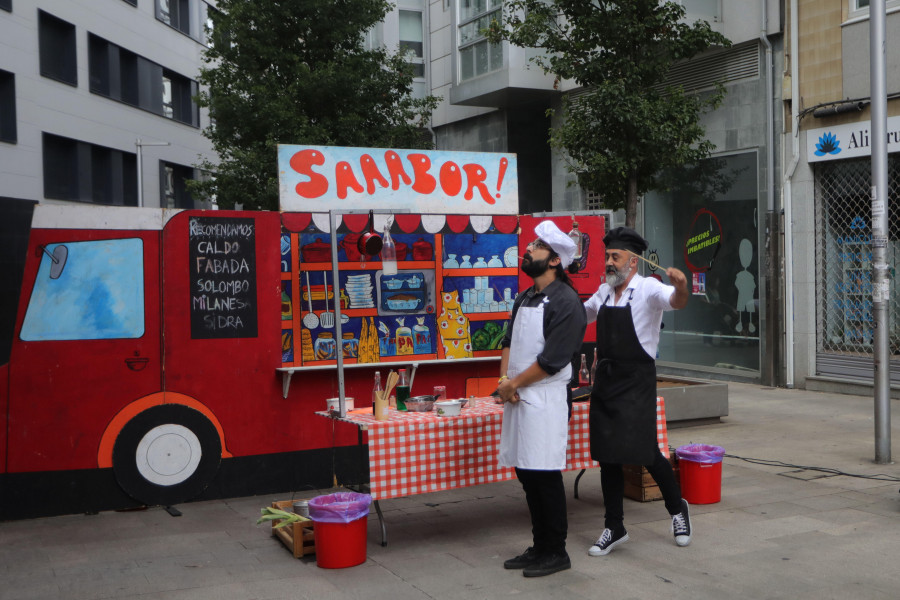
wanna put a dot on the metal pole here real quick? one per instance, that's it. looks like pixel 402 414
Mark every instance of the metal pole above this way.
pixel 140 177
pixel 140 163
pixel 338 329
pixel 880 273
pixel 335 272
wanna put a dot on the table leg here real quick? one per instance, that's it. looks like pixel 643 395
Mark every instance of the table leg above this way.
pixel 576 482
pixel 381 522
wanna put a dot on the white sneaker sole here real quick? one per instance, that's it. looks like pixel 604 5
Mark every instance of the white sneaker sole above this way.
pixel 598 551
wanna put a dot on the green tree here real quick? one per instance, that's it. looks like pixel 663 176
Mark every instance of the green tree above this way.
pixel 297 72
pixel 628 126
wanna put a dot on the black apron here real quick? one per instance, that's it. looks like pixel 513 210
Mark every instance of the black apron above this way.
pixel 623 401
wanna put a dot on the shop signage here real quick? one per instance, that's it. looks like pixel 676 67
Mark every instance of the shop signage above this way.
pixel 320 178
pixel 848 141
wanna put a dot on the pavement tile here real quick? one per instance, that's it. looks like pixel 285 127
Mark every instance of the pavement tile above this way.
pixel 771 536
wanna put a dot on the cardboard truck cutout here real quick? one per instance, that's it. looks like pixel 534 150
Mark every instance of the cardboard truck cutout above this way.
pixel 157 356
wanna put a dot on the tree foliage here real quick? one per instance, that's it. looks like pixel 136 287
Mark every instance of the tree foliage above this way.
pixel 628 125
pixel 297 72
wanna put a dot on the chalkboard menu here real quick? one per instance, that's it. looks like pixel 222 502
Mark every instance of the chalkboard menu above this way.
pixel 222 278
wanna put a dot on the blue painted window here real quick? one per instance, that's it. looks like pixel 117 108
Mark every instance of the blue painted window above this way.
pixel 98 294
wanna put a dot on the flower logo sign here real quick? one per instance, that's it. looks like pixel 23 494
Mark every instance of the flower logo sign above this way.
pixel 828 144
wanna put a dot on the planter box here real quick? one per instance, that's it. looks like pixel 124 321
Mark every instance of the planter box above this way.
pixel 691 402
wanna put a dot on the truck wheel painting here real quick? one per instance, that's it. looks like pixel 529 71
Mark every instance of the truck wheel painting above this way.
pixel 166 454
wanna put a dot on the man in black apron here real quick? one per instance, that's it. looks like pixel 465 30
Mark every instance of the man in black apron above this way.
pixel 547 326
pixel 628 309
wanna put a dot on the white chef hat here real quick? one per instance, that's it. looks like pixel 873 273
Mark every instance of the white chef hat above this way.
pixel 556 239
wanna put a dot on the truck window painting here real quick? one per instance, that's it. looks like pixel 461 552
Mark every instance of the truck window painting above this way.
pixel 98 295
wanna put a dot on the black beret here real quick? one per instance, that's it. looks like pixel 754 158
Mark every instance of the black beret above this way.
pixel 625 238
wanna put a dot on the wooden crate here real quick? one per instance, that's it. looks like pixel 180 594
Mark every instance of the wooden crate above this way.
pixel 639 483
pixel 300 538
pixel 642 493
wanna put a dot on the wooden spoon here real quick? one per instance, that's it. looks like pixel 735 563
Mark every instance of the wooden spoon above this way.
pixel 392 379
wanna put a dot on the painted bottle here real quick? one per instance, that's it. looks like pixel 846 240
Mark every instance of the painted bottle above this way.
pixel 404 339
pixel 421 337
pixel 388 253
pixel 575 236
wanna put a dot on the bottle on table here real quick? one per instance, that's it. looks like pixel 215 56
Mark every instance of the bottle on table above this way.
pixel 402 390
pixel 376 391
pixel 584 375
pixel 594 368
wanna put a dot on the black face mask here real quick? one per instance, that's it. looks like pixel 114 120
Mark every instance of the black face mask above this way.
pixel 534 268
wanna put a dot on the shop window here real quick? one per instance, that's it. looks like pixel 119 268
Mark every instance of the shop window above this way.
pixel 83 172
pixel 860 8
pixel 7 107
pixel 122 75
pixel 175 13
pixel 412 47
pixel 172 186
pixel 187 16
pixel 177 98
pixel 477 56
pixel 98 65
pixel 128 78
pixel 707 10
pixel 57 49
pixel 706 226
pixel 844 292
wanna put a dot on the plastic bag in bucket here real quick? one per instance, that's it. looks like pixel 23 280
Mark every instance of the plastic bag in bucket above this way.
pixel 700 453
pixel 340 507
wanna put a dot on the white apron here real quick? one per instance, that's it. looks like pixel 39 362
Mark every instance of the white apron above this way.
pixel 535 429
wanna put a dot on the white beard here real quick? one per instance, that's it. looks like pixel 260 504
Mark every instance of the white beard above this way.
pixel 618 278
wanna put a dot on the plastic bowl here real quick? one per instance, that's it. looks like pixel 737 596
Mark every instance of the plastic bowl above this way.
pixel 419 403
pixel 334 403
pixel 448 408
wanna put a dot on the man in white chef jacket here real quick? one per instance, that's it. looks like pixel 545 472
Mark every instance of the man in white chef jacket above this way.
pixel 628 310
pixel 548 324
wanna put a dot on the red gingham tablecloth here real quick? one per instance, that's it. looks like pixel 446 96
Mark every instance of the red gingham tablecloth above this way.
pixel 420 452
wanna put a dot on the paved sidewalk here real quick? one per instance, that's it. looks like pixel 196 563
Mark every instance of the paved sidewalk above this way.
pixel 779 532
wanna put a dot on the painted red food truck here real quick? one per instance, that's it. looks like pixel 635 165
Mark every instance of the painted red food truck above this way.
pixel 156 356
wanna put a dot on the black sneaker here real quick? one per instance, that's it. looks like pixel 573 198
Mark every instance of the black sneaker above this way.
pixel 607 541
pixel 527 558
pixel 681 524
pixel 548 564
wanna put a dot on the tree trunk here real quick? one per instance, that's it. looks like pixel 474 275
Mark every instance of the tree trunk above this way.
pixel 631 201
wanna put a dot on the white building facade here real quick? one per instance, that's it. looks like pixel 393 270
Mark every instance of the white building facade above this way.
pixel 86 86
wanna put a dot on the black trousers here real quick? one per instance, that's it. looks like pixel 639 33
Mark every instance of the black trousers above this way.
pixel 546 498
pixel 612 482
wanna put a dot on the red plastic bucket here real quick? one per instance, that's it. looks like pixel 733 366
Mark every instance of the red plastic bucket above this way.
pixel 701 483
pixel 340 545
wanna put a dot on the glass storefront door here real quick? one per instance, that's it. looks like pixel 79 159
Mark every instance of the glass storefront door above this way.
pixel 707 226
